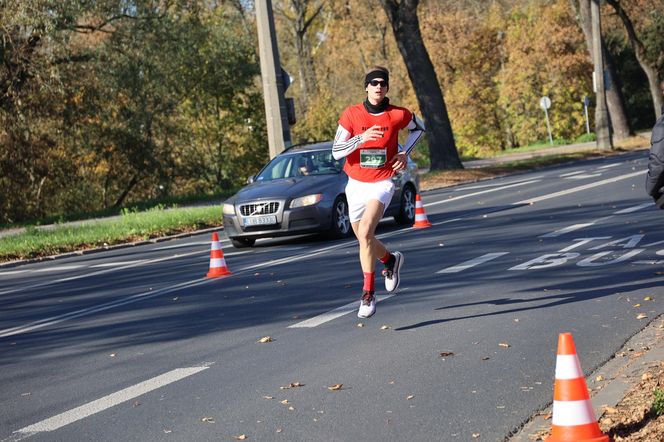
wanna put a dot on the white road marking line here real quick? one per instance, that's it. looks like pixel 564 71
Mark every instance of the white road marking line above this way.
pixel 566 230
pixel 99 272
pixel 101 307
pixel 12 272
pixel 472 262
pixel 59 268
pixel 634 208
pixel 579 188
pixel 496 189
pixel 574 227
pixel 572 173
pixel 190 244
pixel 584 176
pixel 116 264
pixel 492 184
pixel 607 166
pixel 111 400
pixel 334 314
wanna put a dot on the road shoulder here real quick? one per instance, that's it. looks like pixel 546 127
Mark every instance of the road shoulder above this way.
pixel 611 383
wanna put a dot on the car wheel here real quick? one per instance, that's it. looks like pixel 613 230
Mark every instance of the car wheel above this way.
pixel 406 215
pixel 241 243
pixel 340 220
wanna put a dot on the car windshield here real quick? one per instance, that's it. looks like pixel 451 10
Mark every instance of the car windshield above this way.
pixel 299 164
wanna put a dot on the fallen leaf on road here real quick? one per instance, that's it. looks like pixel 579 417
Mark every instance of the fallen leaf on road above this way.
pixel 409 397
pixel 476 435
pixel 292 385
pixel 486 358
pixel 280 430
pixel 112 355
pixel 207 420
pixel 265 339
pixel 444 354
pixel 335 387
pixel 385 327
pixel 641 316
pixel 240 437
pixel 636 305
pixel 285 402
pixel 648 298
pixel 268 397
pixel 359 324
pixel 504 344
pixel 599 378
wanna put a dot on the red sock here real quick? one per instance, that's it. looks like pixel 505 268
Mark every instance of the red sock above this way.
pixel 386 258
pixel 369 278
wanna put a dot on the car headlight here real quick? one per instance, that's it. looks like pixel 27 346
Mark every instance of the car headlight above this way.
pixel 228 209
pixel 306 200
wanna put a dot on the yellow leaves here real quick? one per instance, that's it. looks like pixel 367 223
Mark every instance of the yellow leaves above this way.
pixel 207 420
pixel 241 437
pixel 335 387
pixel 385 327
pixel 504 345
pixel 265 339
pixel 641 316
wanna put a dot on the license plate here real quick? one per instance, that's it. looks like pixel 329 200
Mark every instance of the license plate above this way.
pixel 260 220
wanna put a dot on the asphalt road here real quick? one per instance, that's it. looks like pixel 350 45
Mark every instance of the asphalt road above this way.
pixel 135 344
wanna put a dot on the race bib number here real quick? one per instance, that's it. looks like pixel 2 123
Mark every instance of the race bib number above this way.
pixel 372 158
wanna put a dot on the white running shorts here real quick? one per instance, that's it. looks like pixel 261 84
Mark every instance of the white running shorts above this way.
pixel 359 193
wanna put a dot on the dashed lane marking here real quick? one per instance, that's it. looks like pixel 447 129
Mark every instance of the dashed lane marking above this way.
pixel 111 400
pixel 567 229
pixel 579 188
pixel 495 189
pixel 472 262
pixel 634 208
pixel 334 314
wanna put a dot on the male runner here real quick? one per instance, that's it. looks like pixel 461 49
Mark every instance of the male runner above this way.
pixel 368 137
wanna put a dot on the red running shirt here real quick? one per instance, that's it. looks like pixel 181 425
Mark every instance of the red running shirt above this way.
pixel 356 120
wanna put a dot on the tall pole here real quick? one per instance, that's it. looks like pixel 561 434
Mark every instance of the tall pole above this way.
pixel 278 131
pixel 602 129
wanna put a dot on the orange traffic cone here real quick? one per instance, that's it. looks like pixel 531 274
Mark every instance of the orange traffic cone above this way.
pixel 573 416
pixel 421 220
pixel 217 262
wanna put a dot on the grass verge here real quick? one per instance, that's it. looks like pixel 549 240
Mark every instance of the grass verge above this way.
pixel 129 227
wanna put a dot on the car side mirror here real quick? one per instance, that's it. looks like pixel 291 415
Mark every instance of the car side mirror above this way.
pixel 250 179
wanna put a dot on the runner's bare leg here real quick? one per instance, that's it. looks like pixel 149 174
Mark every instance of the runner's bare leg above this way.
pixel 370 247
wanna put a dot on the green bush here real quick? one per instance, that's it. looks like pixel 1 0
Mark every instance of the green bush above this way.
pixel 657 407
pixel 585 138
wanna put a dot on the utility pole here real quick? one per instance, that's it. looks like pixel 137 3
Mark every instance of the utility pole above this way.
pixel 602 129
pixel 278 131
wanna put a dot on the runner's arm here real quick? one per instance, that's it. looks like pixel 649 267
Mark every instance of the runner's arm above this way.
pixel 344 144
pixel 415 131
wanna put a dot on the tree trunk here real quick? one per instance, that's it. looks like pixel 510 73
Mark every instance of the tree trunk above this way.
pixel 406 27
pixel 300 25
pixel 639 50
pixel 614 98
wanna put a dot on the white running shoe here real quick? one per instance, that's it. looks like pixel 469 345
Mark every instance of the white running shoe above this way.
pixel 391 274
pixel 367 305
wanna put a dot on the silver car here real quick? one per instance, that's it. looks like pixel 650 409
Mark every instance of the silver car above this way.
pixel 302 190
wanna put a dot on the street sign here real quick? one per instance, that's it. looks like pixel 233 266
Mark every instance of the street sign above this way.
pixel 545 103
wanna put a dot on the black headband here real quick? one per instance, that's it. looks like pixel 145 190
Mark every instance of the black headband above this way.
pixel 376 74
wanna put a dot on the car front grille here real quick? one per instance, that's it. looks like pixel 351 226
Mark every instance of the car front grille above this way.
pixel 266 208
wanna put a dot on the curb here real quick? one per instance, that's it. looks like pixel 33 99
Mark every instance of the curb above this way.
pixel 618 375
